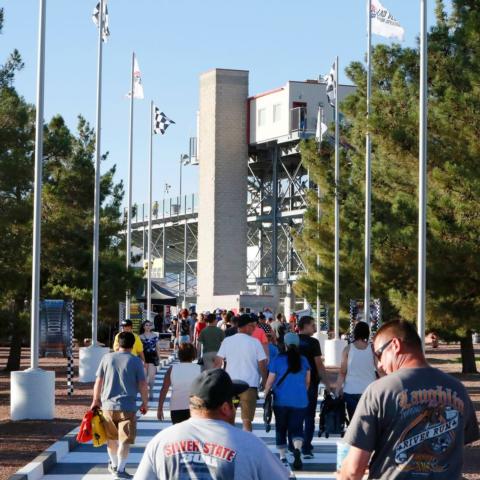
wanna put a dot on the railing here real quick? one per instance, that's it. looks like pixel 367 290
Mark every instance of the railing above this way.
pixel 298 119
pixel 166 208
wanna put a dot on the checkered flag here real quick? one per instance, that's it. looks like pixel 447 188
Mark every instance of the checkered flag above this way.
pixel 96 19
pixel 160 121
pixel 331 85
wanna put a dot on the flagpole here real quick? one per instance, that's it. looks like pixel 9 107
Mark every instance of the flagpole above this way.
pixel 37 205
pixel 130 170
pixel 149 260
pixel 422 209
pixel 320 137
pixel 96 215
pixel 337 212
pixel 368 171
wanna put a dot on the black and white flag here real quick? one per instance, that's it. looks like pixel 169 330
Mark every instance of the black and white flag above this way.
pixel 160 121
pixel 331 86
pixel 96 19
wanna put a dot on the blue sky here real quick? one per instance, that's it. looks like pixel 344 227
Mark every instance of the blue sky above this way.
pixel 175 41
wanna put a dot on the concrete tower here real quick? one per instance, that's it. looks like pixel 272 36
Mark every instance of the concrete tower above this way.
pixel 222 215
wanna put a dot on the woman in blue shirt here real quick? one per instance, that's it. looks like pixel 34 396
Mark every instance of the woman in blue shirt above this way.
pixel 290 397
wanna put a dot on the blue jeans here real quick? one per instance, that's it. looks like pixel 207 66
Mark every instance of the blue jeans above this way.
pixel 351 401
pixel 288 419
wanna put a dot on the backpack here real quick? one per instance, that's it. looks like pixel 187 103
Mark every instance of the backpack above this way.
pixel 332 416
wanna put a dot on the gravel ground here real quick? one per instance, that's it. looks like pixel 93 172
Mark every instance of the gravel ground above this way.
pixel 22 441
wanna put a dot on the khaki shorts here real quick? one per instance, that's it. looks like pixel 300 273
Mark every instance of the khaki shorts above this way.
pixel 248 403
pixel 121 426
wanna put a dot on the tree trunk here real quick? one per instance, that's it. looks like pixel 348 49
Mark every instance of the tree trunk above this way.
pixel 468 354
pixel 15 353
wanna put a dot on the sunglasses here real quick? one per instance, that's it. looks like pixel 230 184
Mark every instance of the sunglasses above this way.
pixel 378 353
pixel 235 402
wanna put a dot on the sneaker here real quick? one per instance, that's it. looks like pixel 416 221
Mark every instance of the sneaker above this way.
pixel 112 469
pixel 285 462
pixel 308 455
pixel 123 475
pixel 297 460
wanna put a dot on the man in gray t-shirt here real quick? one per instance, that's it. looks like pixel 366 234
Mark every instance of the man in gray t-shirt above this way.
pixel 120 377
pixel 208 446
pixel 415 420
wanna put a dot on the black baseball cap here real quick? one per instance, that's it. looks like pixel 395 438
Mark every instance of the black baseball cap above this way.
pixel 215 387
pixel 127 323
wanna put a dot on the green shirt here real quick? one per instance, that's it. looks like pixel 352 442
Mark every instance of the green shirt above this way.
pixel 211 337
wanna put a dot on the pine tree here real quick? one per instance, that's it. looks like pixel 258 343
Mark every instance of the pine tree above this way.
pixel 453 216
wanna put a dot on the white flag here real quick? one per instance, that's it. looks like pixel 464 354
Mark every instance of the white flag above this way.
pixel 321 127
pixel 384 23
pixel 137 81
pixel 331 86
pixel 96 19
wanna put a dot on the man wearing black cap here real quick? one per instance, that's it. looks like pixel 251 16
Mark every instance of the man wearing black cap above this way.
pixel 208 446
pixel 127 326
pixel 246 360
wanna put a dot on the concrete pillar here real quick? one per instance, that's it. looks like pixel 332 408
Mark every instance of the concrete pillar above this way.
pixel 32 394
pixel 288 306
pixel 222 212
pixel 89 359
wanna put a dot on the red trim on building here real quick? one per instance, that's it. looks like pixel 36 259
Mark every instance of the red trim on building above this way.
pixel 275 90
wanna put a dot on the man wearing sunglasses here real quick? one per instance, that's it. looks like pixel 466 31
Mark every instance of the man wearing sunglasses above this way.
pixel 412 423
pixel 208 445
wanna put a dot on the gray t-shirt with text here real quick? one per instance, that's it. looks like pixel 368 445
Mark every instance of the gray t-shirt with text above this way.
pixel 416 422
pixel 205 449
pixel 121 372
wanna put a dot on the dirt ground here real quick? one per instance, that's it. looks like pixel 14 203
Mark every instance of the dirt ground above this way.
pixel 21 442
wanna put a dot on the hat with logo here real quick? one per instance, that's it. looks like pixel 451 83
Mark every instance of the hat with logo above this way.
pixel 215 387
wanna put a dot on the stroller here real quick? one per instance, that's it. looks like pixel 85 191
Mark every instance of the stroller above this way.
pixel 333 417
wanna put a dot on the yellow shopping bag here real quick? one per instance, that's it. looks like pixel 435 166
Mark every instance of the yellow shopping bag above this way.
pixel 98 429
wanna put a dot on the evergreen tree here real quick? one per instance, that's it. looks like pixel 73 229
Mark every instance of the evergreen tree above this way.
pixel 453 250
pixel 67 219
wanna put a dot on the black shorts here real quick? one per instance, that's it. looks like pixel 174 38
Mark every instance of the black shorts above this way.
pixel 151 357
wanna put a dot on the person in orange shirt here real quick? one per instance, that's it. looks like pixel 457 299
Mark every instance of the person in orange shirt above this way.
pixel 260 335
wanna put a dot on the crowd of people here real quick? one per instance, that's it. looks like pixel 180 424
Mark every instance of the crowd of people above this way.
pixel 406 419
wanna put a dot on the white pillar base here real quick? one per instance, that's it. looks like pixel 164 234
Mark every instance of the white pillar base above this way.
pixel 32 394
pixel 89 360
pixel 322 337
pixel 333 352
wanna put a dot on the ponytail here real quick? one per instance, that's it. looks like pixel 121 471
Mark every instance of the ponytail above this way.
pixel 293 358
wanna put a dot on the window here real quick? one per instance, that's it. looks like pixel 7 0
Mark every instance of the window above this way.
pixel 262 117
pixel 277 112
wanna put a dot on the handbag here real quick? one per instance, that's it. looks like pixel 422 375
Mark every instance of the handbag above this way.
pixel 268 404
pixel 84 434
pixel 99 436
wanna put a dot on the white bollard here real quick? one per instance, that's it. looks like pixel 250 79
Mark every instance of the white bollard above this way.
pixel 32 394
pixel 322 337
pixel 333 352
pixel 89 360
